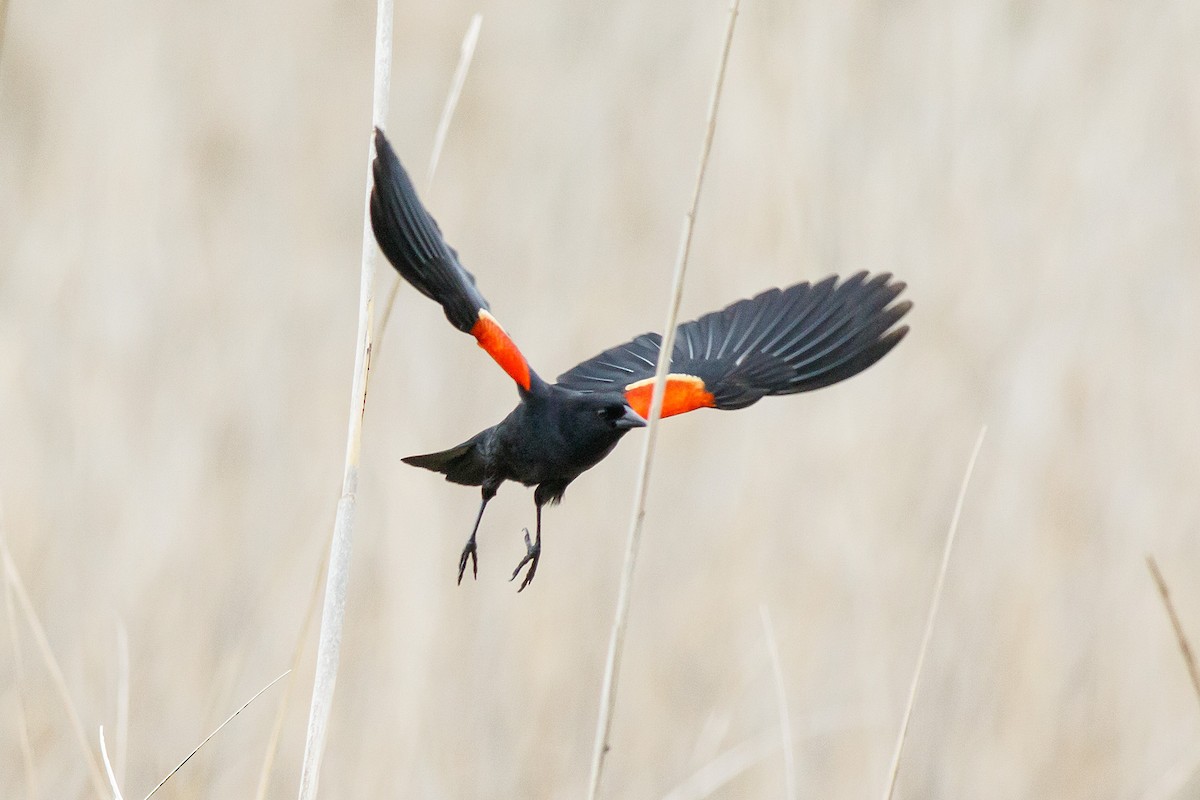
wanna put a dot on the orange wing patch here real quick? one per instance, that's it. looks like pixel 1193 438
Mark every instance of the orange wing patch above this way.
pixel 683 393
pixel 495 341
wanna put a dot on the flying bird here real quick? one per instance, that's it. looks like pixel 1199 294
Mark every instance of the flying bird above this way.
pixel 782 341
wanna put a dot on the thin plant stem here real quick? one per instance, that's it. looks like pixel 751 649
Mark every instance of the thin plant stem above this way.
pixel 1172 782
pixel 264 776
pixel 31 790
pixel 785 719
pixel 465 56
pixel 724 768
pixel 3 26
pixel 612 667
pixel 99 784
pixel 217 730
pixel 387 309
pixel 467 51
pixel 1185 648
pixel 934 604
pixel 113 783
pixel 122 742
pixel 337 578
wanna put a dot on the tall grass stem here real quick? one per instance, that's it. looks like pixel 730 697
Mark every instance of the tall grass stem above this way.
pixel 122 738
pixel 264 775
pixel 17 586
pixel 337 577
pixel 27 758
pixel 113 783
pixel 934 604
pixel 1185 647
pixel 465 55
pixel 785 718
pixel 206 739
pixel 612 667
pixel 725 767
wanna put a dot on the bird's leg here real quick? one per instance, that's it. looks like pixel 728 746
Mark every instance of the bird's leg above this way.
pixel 533 551
pixel 469 550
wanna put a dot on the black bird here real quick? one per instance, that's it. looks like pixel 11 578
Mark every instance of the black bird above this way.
pixel 782 341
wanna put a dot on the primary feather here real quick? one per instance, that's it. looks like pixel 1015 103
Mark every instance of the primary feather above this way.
pixel 782 341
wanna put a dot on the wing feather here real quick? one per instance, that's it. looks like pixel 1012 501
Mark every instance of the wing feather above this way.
pixel 778 342
pixel 412 241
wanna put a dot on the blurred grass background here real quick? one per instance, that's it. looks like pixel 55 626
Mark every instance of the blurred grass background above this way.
pixel 180 210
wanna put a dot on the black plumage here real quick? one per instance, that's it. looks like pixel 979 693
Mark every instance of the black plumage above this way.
pixel 782 341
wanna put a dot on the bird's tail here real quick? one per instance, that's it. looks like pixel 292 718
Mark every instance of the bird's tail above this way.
pixel 462 464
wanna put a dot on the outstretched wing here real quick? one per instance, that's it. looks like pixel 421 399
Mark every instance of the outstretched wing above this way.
pixel 782 341
pixel 412 241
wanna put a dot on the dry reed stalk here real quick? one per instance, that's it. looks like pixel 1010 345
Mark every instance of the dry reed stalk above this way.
pixel 934 604
pixel 17 586
pixel 206 739
pixel 1185 648
pixel 724 768
pixel 122 743
pixel 31 790
pixel 3 24
pixel 264 775
pixel 337 578
pixel 466 53
pixel 1175 779
pixel 1172 782
pixel 785 718
pixel 612 667
pixel 113 783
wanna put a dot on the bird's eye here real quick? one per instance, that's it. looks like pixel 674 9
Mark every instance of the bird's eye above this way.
pixel 610 413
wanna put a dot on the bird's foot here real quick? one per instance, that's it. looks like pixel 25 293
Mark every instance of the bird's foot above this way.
pixel 469 551
pixel 533 551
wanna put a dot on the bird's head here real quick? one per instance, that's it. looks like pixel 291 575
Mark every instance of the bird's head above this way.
pixel 580 428
pixel 612 411
pixel 591 424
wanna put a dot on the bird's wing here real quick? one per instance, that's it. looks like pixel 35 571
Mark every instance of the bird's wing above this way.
pixel 413 242
pixel 782 341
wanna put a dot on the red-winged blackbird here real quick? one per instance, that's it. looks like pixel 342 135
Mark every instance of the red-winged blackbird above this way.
pixel 782 341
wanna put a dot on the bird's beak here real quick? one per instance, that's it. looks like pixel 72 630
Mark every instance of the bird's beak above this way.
pixel 631 419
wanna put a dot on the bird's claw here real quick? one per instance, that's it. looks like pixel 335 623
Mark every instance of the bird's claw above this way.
pixel 468 551
pixel 533 551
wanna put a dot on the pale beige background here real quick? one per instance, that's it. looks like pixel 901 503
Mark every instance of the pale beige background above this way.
pixel 181 191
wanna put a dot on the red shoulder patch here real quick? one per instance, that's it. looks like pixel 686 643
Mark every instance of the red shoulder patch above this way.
pixel 503 350
pixel 684 393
